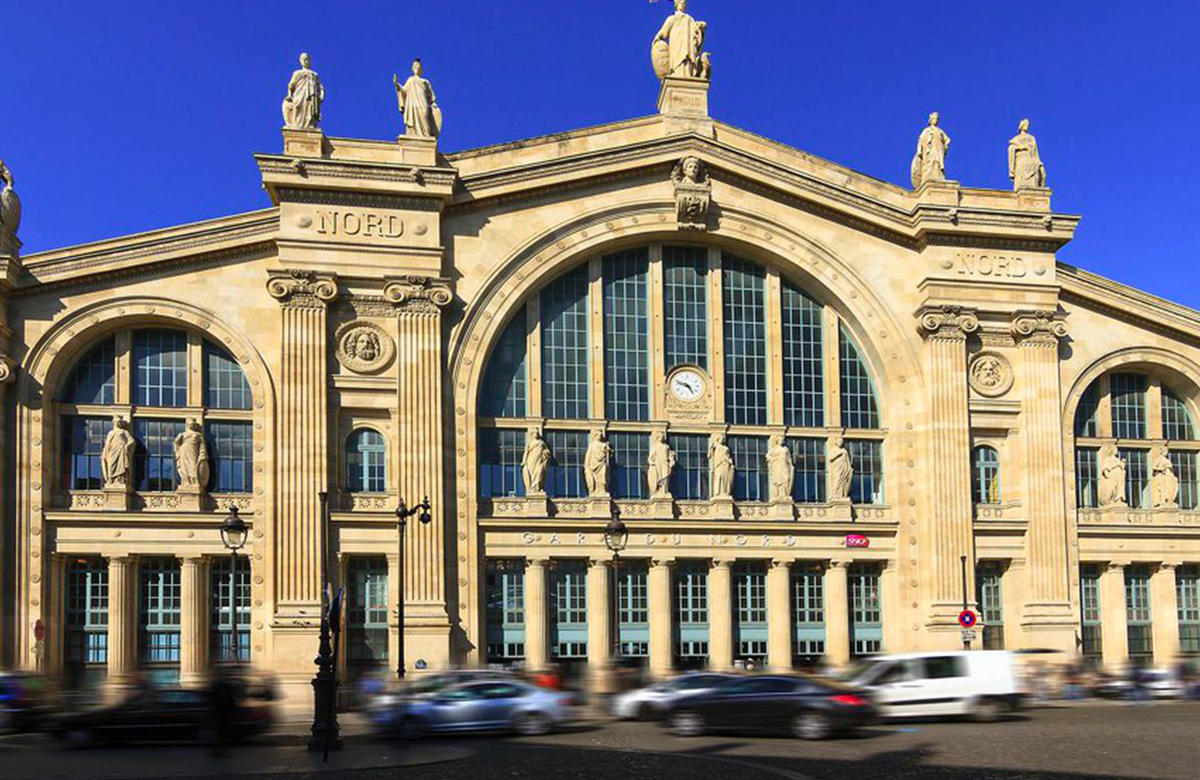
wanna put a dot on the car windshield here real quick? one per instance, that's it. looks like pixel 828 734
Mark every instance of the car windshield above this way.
pixel 431 684
pixel 863 670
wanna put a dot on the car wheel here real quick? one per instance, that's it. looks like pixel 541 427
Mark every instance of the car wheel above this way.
pixel 812 725
pixel 412 729
pixel 686 723
pixel 532 724
pixel 645 712
pixel 987 711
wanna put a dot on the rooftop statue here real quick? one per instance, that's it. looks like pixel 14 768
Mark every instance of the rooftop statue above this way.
pixel 302 106
pixel 418 105
pixel 10 208
pixel 677 49
pixel 929 163
pixel 1024 163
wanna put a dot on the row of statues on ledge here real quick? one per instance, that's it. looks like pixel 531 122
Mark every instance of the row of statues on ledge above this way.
pixel 418 105
pixel 190 449
pixel 781 466
pixel 1025 166
pixel 1164 484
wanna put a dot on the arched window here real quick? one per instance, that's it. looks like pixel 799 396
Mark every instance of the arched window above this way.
pixel 156 384
pixel 366 456
pixel 985 475
pixel 604 341
pixel 1115 419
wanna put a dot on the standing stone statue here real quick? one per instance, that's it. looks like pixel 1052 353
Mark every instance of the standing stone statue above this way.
pixel 929 163
pixel 418 105
pixel 660 464
pixel 677 49
pixel 302 106
pixel 116 459
pixel 720 464
pixel 1111 485
pixel 191 458
pixel 1024 163
pixel 535 462
pixel 1164 485
pixel 10 214
pixel 781 469
pixel 838 469
pixel 595 464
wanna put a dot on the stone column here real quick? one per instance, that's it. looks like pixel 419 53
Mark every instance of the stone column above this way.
pixel 303 439
pixel 720 615
pixel 122 617
pixel 889 605
pixel 1113 626
pixel 837 613
pixel 600 627
pixel 779 615
pixel 659 592
pixel 1047 618
pixel 1012 597
pixel 54 645
pixel 537 629
pixel 419 458
pixel 1164 612
pixel 947 524
pixel 193 633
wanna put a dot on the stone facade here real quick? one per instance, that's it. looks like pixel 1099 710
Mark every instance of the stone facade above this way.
pixel 372 296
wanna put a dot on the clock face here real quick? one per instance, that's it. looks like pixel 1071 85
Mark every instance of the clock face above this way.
pixel 687 384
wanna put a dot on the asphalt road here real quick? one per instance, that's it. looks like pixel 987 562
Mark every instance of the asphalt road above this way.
pixel 1100 740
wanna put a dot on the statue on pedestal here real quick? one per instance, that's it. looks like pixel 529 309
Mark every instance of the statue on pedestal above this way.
pixel 1164 485
pixel 660 464
pixel 595 464
pixel 720 464
pixel 191 458
pixel 929 163
pixel 418 105
pixel 677 49
pixel 1024 163
pixel 781 469
pixel 535 462
pixel 116 459
pixel 302 106
pixel 1111 484
pixel 838 469
pixel 10 212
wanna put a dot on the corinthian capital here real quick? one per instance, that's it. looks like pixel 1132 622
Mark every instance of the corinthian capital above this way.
pixel 302 288
pixel 947 321
pixel 1038 327
pixel 418 293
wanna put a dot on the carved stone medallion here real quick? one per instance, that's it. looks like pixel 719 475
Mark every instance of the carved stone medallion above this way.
pixel 990 374
pixel 364 347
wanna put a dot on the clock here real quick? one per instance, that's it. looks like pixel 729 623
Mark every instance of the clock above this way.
pixel 688 385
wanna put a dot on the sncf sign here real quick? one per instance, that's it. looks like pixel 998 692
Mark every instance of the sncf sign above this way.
pixel 857 540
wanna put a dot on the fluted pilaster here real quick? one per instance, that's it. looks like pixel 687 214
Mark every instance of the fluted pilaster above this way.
pixel 193 634
pixel 122 614
pixel 720 615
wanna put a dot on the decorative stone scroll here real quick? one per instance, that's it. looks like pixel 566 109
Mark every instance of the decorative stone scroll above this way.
pixel 947 321
pixel 364 347
pixel 302 288
pixel 418 293
pixel 1038 327
pixel 693 193
pixel 990 374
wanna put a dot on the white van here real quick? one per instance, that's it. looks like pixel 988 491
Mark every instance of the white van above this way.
pixel 982 684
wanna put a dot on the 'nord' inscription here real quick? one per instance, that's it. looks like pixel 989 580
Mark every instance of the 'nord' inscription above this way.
pixel 351 223
pixel 972 264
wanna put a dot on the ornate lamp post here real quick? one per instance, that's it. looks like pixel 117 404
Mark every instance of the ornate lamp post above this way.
pixel 324 726
pixel 403 512
pixel 233 536
pixel 616 534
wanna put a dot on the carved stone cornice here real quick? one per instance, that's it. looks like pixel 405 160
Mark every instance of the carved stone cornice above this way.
pixel 1038 328
pixel 301 288
pixel 418 294
pixel 947 322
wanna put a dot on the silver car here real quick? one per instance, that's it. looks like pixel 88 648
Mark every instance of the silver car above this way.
pixel 497 705
pixel 649 703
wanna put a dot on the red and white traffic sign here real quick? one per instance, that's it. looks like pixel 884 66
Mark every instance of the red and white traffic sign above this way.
pixel 967 618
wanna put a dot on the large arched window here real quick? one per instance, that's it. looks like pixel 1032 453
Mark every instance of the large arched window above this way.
pixel 1129 421
pixel 985 475
pixel 158 379
pixel 366 458
pixel 604 340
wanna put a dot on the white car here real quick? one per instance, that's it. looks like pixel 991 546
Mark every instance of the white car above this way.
pixel 649 703
pixel 981 684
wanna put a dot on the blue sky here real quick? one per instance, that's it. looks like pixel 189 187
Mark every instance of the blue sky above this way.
pixel 126 116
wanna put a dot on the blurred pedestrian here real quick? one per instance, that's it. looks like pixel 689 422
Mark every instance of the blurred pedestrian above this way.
pixel 222 704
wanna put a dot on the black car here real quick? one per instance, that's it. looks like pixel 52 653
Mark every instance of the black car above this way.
pixel 805 707
pixel 25 701
pixel 158 714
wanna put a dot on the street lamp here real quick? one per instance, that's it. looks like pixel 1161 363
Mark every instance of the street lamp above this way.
pixel 325 730
pixel 403 512
pixel 233 536
pixel 616 534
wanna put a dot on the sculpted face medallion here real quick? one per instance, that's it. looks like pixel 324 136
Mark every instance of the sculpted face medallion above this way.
pixel 364 347
pixel 990 374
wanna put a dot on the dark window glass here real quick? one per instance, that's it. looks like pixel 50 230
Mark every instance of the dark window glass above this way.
pixel 225 588
pixel 630 452
pixel 1128 395
pixel 505 596
pixel 809 455
pixel 160 367
pixel 1187 595
pixel 564 479
pixel 1137 477
pixel 941 667
pixel 1183 463
pixel 1176 420
pixel 1089 597
pixel 685 295
pixel 1086 418
pixel 859 409
pixel 988 579
pixel 503 392
pixel 1137 612
pixel 745 342
pixel 689 480
pixel 985 475
pixel 225 385
pixel 86 618
pixel 749 467
pixel 230 446
pixel 93 379
pixel 626 336
pixel 367 611
pixel 866 612
pixel 1086 477
pixel 500 453
pixel 159 614
pixel 83 443
pixel 156 454
pixel 565 346
pixel 366 454
pixel 866 481
pixel 803 360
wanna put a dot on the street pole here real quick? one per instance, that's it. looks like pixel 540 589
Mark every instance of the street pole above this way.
pixel 324 734
pixel 403 512
pixel 235 645
pixel 963 559
pixel 616 599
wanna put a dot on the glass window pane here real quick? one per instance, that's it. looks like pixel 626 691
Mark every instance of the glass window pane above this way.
pixel 1128 395
pixel 505 595
pixel 230 446
pixel 564 479
pixel 160 367
pixel 86 617
pixel 808 611
pixel 565 346
pixel 83 444
pixel 1137 612
pixel 367 612
pixel 988 579
pixel 93 379
pixel 568 609
pixel 691 612
pixel 745 342
pixel 1137 477
pixel 859 408
pixel 1184 465
pixel 159 616
pixel 685 296
pixel 689 480
pixel 1089 595
pixel 1187 595
pixel 155 460
pixel 809 455
pixel 630 452
pixel 1086 414
pixel 225 385
pixel 749 467
pixel 866 461
pixel 985 475
pixel 866 612
pixel 626 335
pixel 503 391
pixel 366 455
pixel 1176 420
pixel 500 455
pixel 1087 472
pixel 803 360
pixel 224 588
